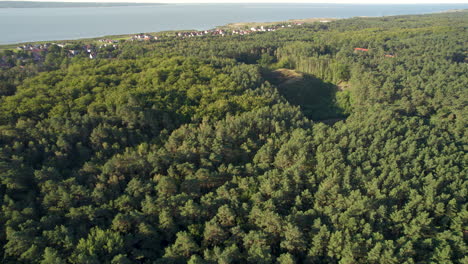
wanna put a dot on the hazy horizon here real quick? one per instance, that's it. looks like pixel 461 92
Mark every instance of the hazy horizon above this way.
pixel 396 2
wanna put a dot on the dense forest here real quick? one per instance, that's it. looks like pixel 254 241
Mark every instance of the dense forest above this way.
pixel 341 142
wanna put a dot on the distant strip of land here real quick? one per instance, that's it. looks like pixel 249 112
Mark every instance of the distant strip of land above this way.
pixel 295 21
pixel 242 28
pixel 31 4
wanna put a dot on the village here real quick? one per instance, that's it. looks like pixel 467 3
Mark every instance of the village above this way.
pixel 38 52
pixel 218 32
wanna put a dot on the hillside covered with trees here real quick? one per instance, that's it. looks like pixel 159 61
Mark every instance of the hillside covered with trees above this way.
pixel 341 142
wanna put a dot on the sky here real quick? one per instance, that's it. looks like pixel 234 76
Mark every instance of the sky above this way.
pixel 278 1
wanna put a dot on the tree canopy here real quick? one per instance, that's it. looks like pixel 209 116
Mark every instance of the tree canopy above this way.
pixel 279 147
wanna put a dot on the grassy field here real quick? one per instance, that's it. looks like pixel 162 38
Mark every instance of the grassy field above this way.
pixel 243 25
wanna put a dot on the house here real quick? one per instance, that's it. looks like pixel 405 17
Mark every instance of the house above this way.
pixel 88 48
pixel 25 47
pixel 361 49
pixel 142 37
pixel 108 41
pixel 389 56
pixel 74 52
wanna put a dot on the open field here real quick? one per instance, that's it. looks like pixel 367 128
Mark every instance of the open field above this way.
pixel 258 24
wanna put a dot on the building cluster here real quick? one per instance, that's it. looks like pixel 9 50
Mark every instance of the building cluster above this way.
pixel 218 32
pixel 38 51
pixel 221 32
pixel 253 30
pixel 213 32
pixel 142 37
pixel 108 41
pixel 36 47
pixel 89 50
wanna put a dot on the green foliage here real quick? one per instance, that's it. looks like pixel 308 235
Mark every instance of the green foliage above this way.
pixel 51 256
pixel 200 151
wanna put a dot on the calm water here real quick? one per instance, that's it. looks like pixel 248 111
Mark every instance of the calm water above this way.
pixel 35 24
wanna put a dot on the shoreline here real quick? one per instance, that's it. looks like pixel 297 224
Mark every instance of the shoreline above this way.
pixel 230 26
pixel 126 36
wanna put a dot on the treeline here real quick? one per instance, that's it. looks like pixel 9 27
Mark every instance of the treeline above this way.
pixel 193 151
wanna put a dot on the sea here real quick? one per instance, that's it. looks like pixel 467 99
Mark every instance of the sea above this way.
pixel 65 23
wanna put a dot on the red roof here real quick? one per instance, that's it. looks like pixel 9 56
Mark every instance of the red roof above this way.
pixel 361 49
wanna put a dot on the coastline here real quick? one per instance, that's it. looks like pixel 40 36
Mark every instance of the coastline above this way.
pixel 166 33
pixel 29 25
pixel 230 26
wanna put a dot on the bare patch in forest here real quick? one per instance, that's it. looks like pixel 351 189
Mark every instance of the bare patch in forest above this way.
pixel 282 77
